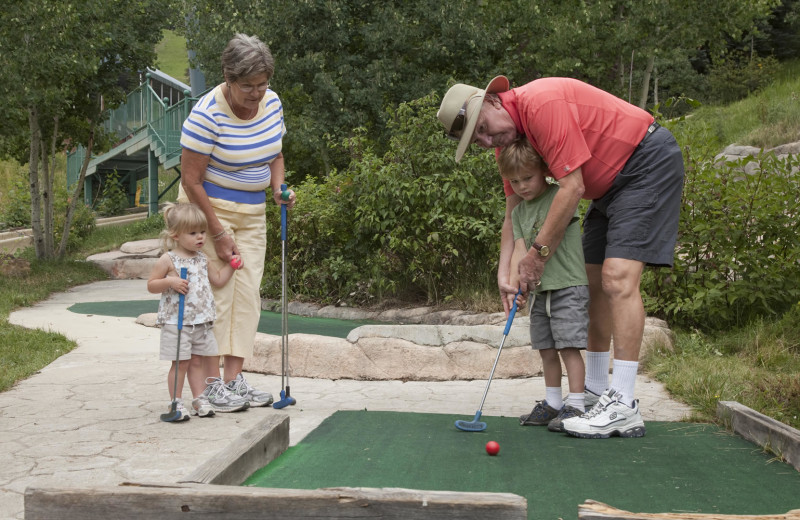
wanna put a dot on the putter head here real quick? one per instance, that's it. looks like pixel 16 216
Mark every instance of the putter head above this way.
pixel 173 415
pixel 475 425
pixel 284 401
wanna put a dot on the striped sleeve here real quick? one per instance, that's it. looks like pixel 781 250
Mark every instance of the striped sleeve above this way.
pixel 200 131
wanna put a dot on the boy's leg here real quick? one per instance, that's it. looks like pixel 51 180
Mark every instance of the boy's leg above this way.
pixel 551 367
pixel 544 412
pixel 573 362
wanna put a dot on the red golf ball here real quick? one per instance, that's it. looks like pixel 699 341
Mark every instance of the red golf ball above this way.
pixel 236 263
pixel 492 448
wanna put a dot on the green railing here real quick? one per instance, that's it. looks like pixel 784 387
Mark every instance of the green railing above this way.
pixel 145 114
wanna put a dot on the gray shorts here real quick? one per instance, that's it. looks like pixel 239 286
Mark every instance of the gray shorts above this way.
pixel 560 319
pixel 638 218
pixel 195 339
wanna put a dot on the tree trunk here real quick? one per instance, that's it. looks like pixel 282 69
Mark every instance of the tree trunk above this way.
pixel 655 85
pixel 49 218
pixel 76 195
pixel 630 78
pixel 33 183
pixel 646 82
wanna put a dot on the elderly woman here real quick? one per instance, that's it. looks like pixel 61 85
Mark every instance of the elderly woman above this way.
pixel 231 155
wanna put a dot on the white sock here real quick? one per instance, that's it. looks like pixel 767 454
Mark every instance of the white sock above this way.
pixel 597 371
pixel 552 394
pixel 624 379
pixel 576 401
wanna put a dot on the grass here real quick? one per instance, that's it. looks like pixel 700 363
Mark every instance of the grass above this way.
pixel 173 58
pixel 767 119
pixel 758 366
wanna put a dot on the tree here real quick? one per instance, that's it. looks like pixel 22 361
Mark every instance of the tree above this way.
pixel 339 64
pixel 64 64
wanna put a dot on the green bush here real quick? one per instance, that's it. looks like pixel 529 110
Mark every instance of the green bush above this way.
pixel 411 224
pixel 113 200
pixel 737 254
pixel 16 210
pixel 739 74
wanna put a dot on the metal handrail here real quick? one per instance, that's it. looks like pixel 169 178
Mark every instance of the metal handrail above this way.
pixel 144 110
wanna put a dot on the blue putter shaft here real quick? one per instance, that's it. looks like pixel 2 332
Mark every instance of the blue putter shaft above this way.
pixel 475 425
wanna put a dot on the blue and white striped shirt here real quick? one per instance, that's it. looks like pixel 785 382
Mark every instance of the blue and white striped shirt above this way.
pixel 239 151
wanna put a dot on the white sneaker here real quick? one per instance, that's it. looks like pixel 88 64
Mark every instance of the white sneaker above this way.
pixel 608 417
pixel 201 407
pixel 183 415
pixel 589 399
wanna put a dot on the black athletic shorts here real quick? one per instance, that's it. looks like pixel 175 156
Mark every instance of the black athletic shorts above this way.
pixel 637 219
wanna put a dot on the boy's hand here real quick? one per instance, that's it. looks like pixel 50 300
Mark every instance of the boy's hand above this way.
pixel 179 285
pixel 522 298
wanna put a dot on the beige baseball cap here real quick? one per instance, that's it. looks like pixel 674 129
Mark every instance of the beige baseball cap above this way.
pixel 460 108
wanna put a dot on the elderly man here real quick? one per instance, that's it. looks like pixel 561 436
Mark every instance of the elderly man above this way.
pixel 601 148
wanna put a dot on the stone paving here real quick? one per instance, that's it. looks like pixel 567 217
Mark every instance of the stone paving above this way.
pixel 92 416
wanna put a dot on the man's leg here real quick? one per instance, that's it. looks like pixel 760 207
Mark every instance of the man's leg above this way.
pixel 615 310
pixel 621 286
pixel 599 334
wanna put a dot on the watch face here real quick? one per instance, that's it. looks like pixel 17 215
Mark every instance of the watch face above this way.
pixel 544 250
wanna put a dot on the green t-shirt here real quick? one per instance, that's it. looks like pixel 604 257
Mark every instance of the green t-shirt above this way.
pixel 566 267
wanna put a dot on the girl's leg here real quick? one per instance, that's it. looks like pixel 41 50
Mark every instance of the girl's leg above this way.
pixel 197 374
pixel 183 366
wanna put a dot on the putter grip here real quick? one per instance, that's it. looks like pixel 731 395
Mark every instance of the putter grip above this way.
pixel 181 299
pixel 512 313
pixel 283 215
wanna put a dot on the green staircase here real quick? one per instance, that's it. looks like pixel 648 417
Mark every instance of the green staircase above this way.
pixel 146 130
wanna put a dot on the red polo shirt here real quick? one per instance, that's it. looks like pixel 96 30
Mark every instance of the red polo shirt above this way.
pixel 575 125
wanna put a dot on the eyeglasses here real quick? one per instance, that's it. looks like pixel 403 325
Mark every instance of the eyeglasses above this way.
pixel 249 88
pixel 458 123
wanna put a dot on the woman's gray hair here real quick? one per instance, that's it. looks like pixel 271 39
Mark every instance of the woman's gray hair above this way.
pixel 246 56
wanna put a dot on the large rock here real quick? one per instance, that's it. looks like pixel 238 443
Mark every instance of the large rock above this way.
pixel 381 358
pixel 133 260
pixel 417 352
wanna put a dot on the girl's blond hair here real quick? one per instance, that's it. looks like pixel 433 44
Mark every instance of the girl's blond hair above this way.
pixel 180 218
pixel 520 155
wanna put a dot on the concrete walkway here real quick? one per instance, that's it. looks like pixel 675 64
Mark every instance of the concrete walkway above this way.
pixel 92 416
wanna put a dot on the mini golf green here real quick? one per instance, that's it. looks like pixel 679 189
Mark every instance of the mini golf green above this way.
pixel 270 322
pixel 676 467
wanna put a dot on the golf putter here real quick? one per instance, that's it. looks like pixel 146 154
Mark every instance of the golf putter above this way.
pixel 285 399
pixel 476 425
pixel 173 414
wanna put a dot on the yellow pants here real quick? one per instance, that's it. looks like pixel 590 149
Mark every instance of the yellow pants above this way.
pixel 239 301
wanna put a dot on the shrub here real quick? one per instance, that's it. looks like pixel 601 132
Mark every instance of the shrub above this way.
pixel 737 253
pixel 411 223
pixel 739 74
pixel 113 200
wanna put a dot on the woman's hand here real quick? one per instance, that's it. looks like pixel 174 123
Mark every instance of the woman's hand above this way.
pixel 277 196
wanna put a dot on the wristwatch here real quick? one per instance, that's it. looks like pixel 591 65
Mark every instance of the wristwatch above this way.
pixel 543 251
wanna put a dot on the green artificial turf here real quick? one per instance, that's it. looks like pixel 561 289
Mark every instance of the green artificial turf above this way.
pixel 269 323
pixel 676 467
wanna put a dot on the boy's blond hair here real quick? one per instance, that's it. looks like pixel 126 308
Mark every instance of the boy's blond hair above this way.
pixel 519 155
pixel 180 218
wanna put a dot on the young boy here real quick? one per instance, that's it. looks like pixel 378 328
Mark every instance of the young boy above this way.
pixel 560 304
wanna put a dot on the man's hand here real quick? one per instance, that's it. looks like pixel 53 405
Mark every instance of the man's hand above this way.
pixel 531 268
